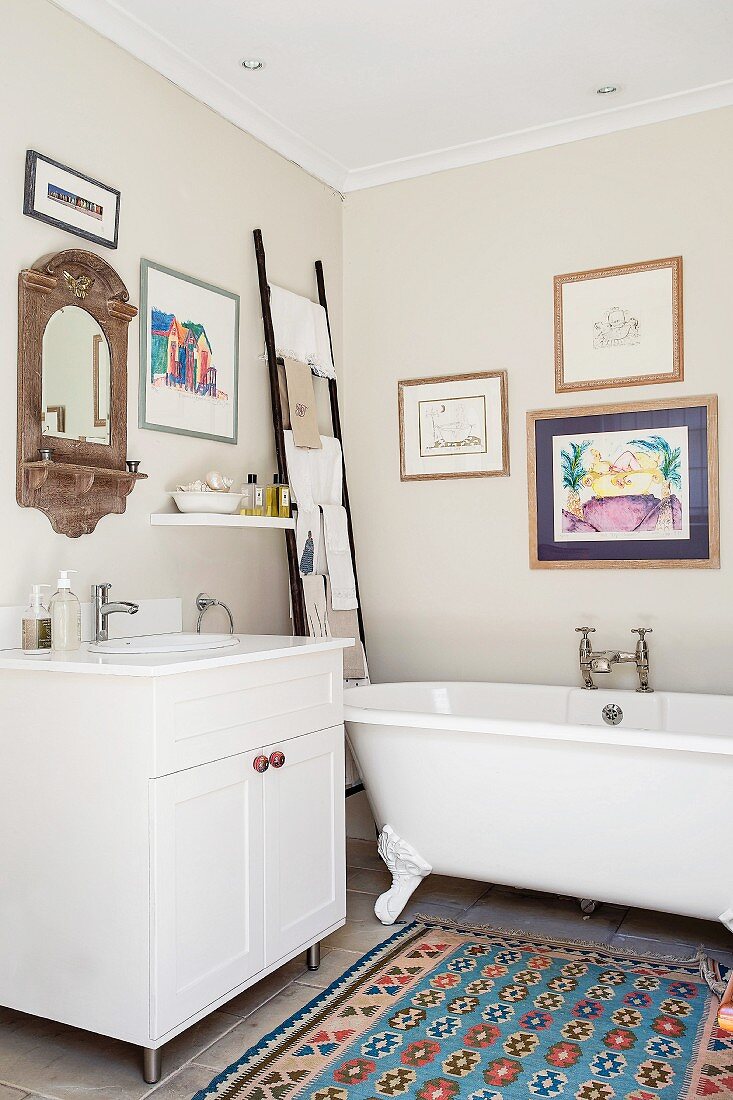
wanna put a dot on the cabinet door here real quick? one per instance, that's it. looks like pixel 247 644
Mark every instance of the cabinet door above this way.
pixel 207 903
pixel 305 841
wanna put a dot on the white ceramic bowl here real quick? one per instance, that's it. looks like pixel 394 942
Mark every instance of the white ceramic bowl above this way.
pixel 221 504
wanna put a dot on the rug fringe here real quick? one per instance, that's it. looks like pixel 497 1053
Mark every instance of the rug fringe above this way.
pixel 537 937
pixel 715 976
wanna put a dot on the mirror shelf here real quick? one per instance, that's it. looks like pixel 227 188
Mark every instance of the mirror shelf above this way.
pixel 84 477
pixel 74 315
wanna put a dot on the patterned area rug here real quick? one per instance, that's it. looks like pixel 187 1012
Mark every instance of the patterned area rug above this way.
pixel 442 1012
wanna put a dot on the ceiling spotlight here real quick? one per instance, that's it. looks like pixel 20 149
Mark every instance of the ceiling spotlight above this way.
pixel 252 63
pixel 607 89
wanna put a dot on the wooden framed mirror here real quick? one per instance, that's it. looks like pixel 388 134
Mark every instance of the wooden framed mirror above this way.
pixel 73 317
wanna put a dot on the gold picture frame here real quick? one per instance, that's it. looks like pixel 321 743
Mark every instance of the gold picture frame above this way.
pixel 615 337
pixel 456 449
pixel 547 429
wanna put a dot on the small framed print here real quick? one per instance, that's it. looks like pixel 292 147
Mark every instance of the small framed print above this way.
pixel 454 426
pixel 619 326
pixel 70 200
pixel 630 485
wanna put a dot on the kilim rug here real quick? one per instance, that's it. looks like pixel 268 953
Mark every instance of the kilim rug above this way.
pixel 443 1012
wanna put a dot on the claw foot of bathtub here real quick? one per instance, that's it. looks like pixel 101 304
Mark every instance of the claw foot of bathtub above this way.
pixel 408 870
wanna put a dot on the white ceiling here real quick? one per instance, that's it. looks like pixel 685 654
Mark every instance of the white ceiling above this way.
pixel 389 89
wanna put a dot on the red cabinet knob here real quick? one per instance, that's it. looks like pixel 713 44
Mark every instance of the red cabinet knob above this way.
pixel 277 759
pixel 260 763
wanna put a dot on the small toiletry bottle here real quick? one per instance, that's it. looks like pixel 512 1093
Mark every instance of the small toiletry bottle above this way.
pixel 271 497
pixel 37 623
pixel 283 500
pixel 259 505
pixel 65 616
pixel 248 496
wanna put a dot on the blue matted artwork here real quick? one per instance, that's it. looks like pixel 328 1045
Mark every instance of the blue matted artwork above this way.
pixel 628 485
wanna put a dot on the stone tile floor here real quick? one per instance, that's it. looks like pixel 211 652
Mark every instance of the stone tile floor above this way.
pixel 39 1058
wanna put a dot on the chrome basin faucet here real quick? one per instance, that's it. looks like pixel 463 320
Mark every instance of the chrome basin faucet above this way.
pixel 601 661
pixel 102 609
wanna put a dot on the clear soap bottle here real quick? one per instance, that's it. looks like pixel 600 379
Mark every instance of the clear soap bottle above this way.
pixel 247 507
pixel 65 616
pixel 36 630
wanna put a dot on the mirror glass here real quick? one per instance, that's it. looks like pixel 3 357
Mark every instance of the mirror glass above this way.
pixel 76 377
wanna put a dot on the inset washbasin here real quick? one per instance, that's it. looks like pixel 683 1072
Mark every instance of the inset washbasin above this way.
pixel 165 643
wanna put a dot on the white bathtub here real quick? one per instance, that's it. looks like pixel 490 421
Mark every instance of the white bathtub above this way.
pixel 528 786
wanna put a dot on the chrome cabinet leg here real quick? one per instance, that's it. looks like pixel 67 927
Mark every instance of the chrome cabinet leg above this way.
pixel 313 956
pixel 152 1064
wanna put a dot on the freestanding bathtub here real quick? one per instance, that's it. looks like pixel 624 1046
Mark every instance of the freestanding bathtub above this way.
pixel 529 786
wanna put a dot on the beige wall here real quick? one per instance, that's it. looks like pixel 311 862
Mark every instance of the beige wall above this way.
pixel 452 273
pixel 193 189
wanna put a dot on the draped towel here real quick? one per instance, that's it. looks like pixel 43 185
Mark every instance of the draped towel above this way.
pixel 301 331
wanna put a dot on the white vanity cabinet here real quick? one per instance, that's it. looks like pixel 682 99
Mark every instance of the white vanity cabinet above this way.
pixel 149 870
pixel 247 868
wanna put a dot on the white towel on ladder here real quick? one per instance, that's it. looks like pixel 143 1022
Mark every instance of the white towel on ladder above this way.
pixel 301 331
pixel 314 593
pixel 338 556
pixel 316 477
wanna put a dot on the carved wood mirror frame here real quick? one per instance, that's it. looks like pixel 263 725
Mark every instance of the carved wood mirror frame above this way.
pixel 83 481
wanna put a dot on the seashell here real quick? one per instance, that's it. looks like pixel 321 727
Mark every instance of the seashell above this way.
pixel 218 482
pixel 193 487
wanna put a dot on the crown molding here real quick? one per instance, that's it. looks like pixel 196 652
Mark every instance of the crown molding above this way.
pixel 109 20
pixel 645 113
pixel 105 17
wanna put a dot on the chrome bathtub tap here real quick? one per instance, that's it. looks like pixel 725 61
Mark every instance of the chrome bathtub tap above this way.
pixel 102 609
pixel 601 661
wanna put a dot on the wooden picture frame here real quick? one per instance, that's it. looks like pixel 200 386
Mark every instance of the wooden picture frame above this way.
pixel 458 449
pixel 652 505
pixel 619 326
pixel 92 208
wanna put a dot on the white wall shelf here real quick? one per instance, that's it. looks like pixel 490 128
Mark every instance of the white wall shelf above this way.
pixel 211 519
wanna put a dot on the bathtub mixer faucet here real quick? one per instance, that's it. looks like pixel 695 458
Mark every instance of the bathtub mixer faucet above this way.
pixel 601 661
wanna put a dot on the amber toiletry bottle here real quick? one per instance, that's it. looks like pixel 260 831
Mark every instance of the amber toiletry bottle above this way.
pixel 283 500
pixel 271 497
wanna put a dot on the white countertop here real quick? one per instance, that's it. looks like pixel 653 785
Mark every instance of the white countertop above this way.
pixel 250 649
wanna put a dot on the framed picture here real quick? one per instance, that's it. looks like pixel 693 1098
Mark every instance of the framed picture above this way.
pixel 619 326
pixel 454 426
pixel 189 355
pixel 633 485
pixel 70 200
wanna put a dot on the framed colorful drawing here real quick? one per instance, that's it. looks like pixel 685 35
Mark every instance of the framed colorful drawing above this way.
pixel 454 426
pixel 631 485
pixel 619 326
pixel 189 355
pixel 69 200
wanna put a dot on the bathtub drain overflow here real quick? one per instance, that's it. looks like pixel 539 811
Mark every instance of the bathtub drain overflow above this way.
pixel 612 714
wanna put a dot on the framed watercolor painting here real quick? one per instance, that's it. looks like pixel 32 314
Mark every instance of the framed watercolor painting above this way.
pixel 632 485
pixel 454 426
pixel 70 200
pixel 619 326
pixel 189 355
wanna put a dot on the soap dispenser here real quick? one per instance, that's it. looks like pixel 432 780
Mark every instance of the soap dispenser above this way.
pixel 36 629
pixel 65 616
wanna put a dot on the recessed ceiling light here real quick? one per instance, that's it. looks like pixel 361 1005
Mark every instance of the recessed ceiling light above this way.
pixel 252 63
pixel 607 89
